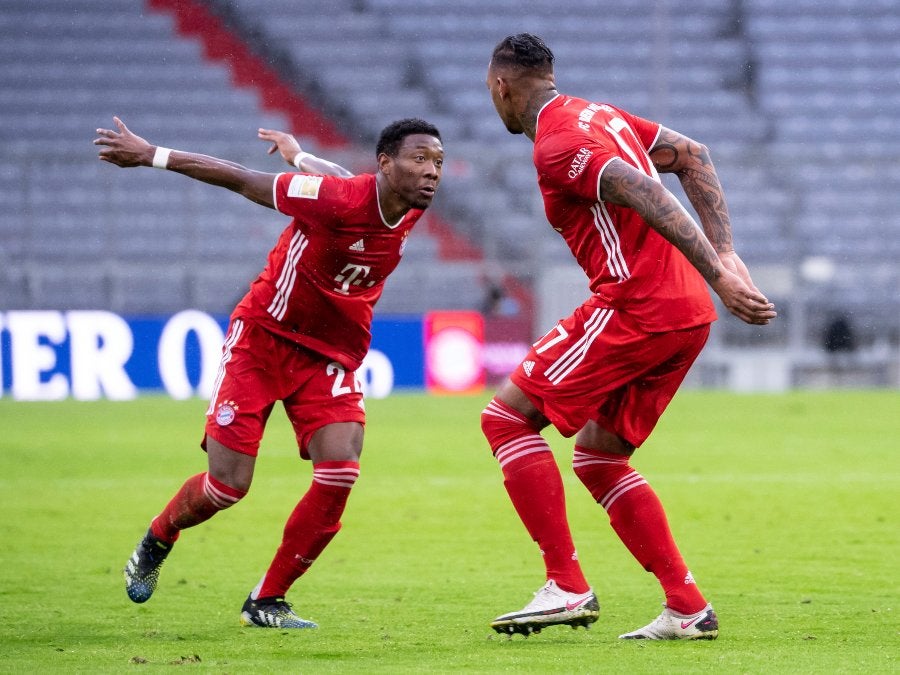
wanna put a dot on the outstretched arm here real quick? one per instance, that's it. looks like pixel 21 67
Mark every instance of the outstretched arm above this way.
pixel 290 150
pixel 690 161
pixel 126 149
pixel 622 184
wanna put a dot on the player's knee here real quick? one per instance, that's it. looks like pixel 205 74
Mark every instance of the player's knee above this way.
pixel 501 423
pixel 338 442
pixel 229 467
pixel 601 441
pixel 237 482
pixel 487 425
pixel 603 473
pixel 221 494
pixel 495 425
pixel 336 474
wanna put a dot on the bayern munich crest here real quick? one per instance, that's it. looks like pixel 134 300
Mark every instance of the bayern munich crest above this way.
pixel 225 413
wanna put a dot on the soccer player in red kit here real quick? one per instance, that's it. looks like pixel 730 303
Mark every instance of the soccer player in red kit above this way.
pixel 298 337
pixel 606 373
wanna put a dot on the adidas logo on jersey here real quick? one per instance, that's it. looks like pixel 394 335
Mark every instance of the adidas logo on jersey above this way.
pixel 358 246
pixel 528 366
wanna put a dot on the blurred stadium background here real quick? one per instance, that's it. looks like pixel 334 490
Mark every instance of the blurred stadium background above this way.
pixel 799 102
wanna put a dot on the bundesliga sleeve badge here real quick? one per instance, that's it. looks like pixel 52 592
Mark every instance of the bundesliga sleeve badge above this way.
pixel 304 187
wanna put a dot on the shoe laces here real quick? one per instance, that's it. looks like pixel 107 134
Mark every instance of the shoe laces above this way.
pixel 275 605
pixel 548 597
pixel 155 549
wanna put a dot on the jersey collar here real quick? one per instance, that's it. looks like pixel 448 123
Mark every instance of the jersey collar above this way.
pixel 537 121
pixel 383 219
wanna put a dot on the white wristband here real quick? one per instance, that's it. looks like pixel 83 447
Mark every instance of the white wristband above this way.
pixel 161 157
pixel 300 156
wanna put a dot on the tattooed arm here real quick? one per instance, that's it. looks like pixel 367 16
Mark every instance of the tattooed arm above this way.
pixel 690 161
pixel 624 185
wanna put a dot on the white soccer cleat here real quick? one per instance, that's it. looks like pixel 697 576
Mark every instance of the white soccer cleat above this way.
pixel 551 606
pixel 704 625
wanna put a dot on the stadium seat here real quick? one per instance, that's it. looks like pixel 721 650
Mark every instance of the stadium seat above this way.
pixel 803 134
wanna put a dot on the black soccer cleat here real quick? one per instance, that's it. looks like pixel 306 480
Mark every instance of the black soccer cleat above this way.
pixel 142 569
pixel 274 612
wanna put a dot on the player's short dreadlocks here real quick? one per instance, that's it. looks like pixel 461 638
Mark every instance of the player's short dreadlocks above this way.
pixel 392 135
pixel 523 50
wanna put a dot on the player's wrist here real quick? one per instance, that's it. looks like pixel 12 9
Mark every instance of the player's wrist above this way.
pixel 161 157
pixel 301 157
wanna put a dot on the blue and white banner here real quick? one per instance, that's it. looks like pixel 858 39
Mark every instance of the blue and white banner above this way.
pixel 92 354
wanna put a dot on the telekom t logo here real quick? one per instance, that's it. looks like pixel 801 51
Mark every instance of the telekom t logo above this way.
pixel 352 275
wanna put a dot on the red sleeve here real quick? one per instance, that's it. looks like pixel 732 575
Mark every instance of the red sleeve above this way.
pixel 575 160
pixel 302 194
pixel 647 131
pixel 573 163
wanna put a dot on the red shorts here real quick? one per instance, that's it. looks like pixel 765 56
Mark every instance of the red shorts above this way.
pixel 599 365
pixel 257 370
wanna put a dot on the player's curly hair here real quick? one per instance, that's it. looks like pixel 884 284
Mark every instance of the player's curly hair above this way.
pixel 524 50
pixel 391 137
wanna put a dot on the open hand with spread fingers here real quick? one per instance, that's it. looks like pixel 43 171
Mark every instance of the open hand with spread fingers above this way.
pixel 282 142
pixel 122 147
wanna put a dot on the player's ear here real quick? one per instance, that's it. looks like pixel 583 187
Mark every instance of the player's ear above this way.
pixel 385 163
pixel 502 88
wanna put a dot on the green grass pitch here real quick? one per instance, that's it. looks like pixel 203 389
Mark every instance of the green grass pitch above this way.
pixel 785 506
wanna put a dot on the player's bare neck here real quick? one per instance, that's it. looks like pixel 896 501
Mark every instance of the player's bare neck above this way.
pixel 392 206
pixel 537 98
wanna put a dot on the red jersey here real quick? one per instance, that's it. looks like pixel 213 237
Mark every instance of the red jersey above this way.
pixel 328 269
pixel 630 266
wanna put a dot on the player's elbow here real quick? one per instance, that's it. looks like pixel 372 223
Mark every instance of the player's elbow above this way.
pixel 697 156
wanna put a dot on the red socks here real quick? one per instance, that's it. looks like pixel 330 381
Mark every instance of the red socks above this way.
pixel 201 497
pixel 638 517
pixel 313 523
pixel 310 527
pixel 535 487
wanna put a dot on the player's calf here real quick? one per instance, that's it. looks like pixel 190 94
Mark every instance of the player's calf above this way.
pixel 534 485
pixel 199 499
